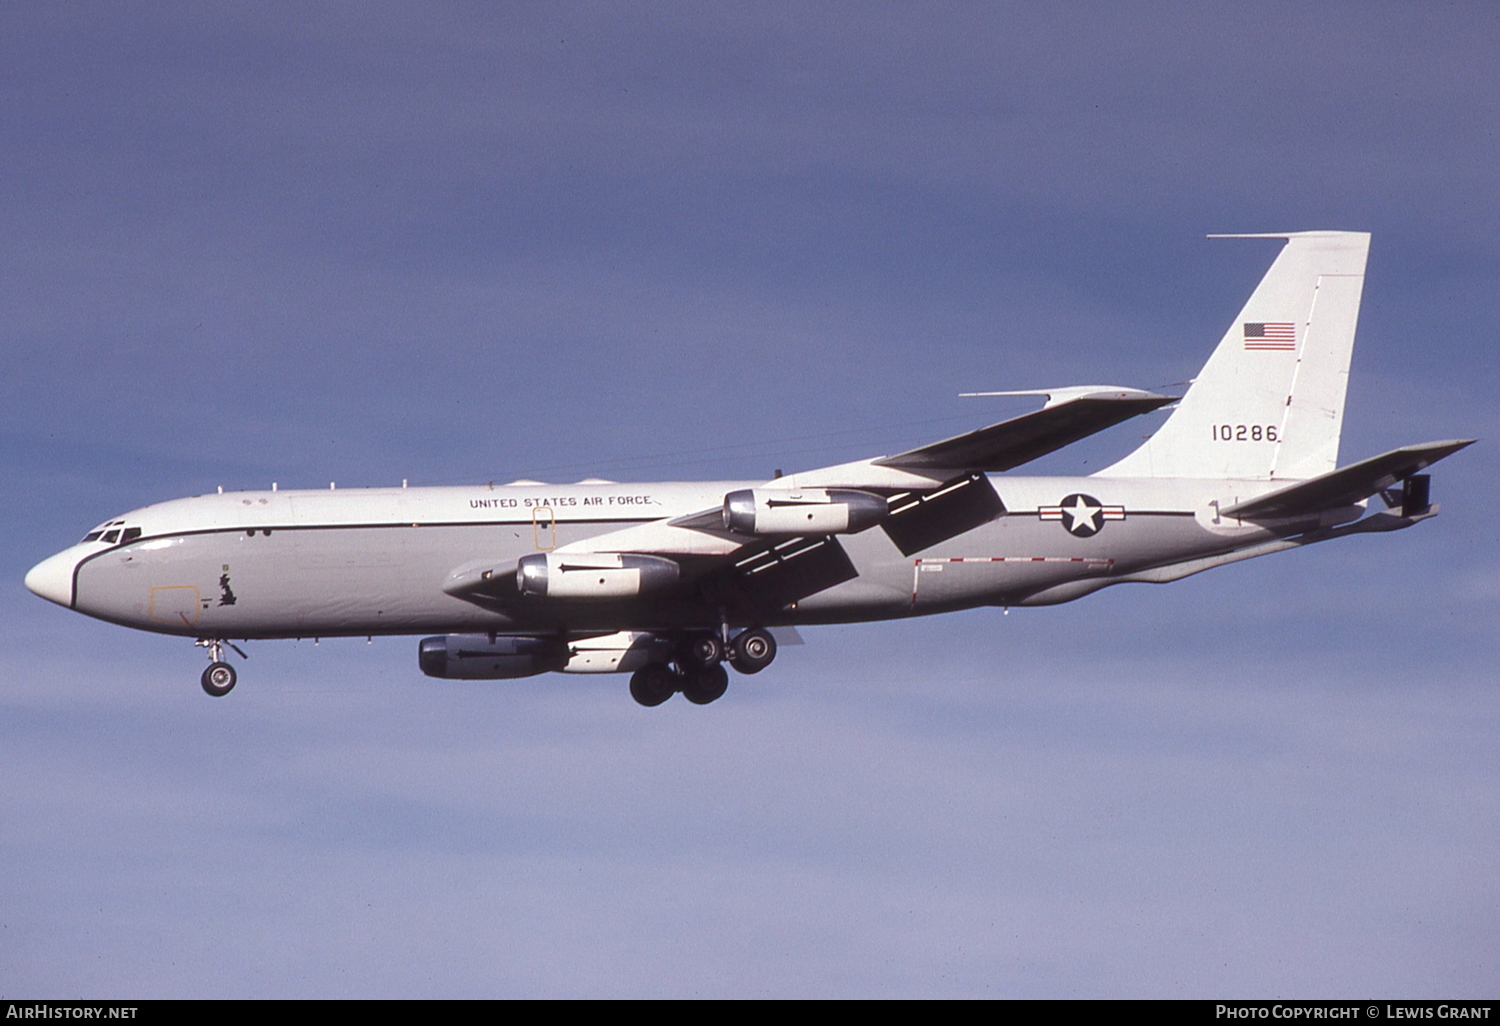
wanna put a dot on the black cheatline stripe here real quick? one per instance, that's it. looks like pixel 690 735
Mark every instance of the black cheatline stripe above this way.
pixel 366 527
pixel 73 598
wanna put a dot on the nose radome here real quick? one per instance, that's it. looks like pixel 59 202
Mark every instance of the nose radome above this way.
pixel 52 578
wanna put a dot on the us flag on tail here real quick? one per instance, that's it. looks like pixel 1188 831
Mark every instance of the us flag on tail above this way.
pixel 1271 336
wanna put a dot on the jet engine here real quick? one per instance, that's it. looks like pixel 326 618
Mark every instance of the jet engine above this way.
pixel 802 511
pixel 490 656
pixel 594 575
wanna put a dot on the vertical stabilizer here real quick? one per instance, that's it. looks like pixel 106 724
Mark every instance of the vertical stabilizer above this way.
pixel 1270 401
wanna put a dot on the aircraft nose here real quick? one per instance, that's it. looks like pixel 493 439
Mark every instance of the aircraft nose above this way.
pixel 52 578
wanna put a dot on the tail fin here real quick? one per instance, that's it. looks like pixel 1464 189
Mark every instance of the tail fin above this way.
pixel 1269 404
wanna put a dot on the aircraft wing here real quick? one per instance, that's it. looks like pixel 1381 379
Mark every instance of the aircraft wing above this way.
pixel 1347 485
pixel 1075 413
pixel 935 492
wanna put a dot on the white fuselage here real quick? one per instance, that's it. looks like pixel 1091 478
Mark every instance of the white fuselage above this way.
pixel 374 561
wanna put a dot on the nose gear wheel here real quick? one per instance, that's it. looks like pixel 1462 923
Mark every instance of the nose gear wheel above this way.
pixel 219 679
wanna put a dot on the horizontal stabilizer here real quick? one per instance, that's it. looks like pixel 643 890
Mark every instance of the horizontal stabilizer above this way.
pixel 1022 439
pixel 1348 485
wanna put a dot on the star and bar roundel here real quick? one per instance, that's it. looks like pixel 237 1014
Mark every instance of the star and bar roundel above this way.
pixel 1083 516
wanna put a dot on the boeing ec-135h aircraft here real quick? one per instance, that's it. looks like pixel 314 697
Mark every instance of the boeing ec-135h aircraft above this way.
pixel 669 581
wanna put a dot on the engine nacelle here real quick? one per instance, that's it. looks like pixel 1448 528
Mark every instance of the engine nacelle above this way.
pixel 594 575
pixel 490 656
pixel 621 652
pixel 802 511
pixel 508 656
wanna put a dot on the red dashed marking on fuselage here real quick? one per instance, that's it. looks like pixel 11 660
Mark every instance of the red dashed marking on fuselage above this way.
pixel 937 563
pixel 1012 559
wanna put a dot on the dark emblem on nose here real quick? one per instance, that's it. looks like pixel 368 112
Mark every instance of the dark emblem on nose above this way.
pixel 226 593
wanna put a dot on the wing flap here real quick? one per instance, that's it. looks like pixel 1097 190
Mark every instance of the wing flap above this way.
pixel 921 520
pixel 791 571
pixel 1348 485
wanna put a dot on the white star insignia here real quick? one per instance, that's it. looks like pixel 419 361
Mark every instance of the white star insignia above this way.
pixel 1082 513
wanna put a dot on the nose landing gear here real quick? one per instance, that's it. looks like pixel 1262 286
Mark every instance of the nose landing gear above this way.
pixel 219 679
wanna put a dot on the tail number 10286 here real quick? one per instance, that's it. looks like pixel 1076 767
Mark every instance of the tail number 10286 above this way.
pixel 1244 432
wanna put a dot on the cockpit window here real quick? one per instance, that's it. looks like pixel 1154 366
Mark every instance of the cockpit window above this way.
pixel 108 533
pixel 130 535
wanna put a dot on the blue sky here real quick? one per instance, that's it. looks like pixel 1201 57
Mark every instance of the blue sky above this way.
pixel 692 241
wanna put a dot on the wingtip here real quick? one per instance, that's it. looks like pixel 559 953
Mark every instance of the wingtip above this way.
pixel 1315 233
pixel 1452 445
pixel 1071 393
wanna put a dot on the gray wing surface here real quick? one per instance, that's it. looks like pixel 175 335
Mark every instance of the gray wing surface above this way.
pixel 1019 440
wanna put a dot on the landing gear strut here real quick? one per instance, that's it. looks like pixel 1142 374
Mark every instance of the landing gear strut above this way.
pixel 219 679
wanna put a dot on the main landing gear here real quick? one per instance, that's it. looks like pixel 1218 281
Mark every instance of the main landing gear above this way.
pixel 752 651
pixel 699 673
pixel 219 679
pixel 705 686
